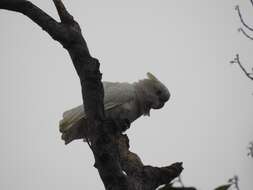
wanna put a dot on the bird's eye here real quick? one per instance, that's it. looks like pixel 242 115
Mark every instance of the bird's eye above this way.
pixel 158 92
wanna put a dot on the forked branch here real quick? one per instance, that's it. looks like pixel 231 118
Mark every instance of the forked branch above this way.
pixel 237 8
pixel 109 146
pixel 63 13
pixel 237 61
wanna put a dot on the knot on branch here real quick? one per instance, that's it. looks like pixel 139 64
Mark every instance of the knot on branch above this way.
pixel 162 175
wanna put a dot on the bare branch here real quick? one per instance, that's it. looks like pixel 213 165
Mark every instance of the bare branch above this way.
pixel 46 22
pixel 237 61
pixel 171 187
pixel 250 147
pixel 148 176
pixel 92 89
pixel 109 146
pixel 63 13
pixel 245 34
pixel 235 182
pixel 237 8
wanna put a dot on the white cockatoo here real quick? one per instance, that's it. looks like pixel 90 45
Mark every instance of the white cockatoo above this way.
pixel 126 101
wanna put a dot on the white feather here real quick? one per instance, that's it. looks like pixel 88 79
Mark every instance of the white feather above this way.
pixel 116 94
pixel 121 101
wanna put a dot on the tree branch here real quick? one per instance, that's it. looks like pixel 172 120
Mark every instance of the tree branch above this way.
pixel 46 22
pixel 170 187
pixel 237 8
pixel 63 13
pixel 109 146
pixel 237 61
pixel 148 176
pixel 245 33
pixel 250 147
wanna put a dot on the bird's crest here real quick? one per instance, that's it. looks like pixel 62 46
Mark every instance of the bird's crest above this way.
pixel 151 76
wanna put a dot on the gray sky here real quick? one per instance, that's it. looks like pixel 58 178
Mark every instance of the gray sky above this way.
pixel 207 124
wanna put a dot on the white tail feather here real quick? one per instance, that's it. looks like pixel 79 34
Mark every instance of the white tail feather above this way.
pixel 71 117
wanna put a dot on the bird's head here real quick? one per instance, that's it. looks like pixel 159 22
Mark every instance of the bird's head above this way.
pixel 159 93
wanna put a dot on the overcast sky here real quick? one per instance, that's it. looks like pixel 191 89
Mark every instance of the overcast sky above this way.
pixel 207 123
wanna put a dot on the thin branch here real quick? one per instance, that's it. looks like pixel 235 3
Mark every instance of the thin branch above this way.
pixel 171 187
pixel 235 182
pixel 250 153
pixel 237 60
pixel 46 22
pixel 63 13
pixel 237 8
pixel 244 33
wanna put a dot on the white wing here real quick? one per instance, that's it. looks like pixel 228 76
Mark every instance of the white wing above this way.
pixel 116 94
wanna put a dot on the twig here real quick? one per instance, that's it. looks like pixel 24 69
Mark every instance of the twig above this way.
pixel 237 60
pixel 63 13
pixel 237 8
pixel 250 153
pixel 245 33
pixel 235 181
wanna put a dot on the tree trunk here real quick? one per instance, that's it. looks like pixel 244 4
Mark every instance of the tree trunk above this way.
pixel 109 146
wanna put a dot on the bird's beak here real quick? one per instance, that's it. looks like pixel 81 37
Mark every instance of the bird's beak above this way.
pixel 160 105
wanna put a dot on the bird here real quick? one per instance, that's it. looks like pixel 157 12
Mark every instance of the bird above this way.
pixel 122 101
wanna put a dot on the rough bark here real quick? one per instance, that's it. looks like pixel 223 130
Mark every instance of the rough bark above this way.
pixel 109 146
